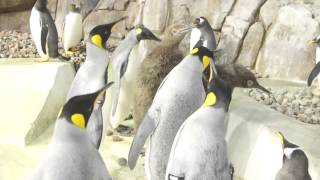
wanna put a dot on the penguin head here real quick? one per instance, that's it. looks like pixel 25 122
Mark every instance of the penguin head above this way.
pixel 101 33
pixel 41 4
pixel 238 76
pixel 143 33
pixel 315 40
pixel 200 22
pixel 78 109
pixel 73 8
pixel 205 55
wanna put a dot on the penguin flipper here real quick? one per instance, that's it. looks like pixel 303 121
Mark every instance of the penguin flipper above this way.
pixel 145 129
pixel 44 34
pixel 95 127
pixel 314 73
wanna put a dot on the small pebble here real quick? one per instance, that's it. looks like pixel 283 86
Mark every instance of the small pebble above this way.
pixel 122 161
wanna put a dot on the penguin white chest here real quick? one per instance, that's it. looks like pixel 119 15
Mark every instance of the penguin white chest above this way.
pixel 194 37
pixel 72 30
pixel 317 54
pixel 35 28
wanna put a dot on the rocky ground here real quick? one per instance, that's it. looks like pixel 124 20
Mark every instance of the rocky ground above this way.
pixel 303 104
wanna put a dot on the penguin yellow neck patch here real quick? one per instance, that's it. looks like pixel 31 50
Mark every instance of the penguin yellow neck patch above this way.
pixel 194 51
pixel 97 40
pixel 280 136
pixel 78 120
pixel 138 31
pixel 205 61
pixel 211 100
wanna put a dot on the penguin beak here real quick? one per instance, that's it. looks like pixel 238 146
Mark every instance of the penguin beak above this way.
pixel 258 86
pixel 312 41
pixel 314 73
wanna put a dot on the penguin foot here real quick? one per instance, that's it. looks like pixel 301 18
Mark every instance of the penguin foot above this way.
pixel 42 59
pixel 69 53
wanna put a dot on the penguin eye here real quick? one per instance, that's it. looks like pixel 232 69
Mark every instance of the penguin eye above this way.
pixel 249 83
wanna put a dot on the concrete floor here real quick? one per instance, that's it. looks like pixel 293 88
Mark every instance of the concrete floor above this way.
pixel 18 162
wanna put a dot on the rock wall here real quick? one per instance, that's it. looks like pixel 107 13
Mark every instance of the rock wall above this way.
pixel 266 35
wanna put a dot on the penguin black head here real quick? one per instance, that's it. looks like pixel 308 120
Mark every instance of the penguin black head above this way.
pixel 238 76
pixel 200 22
pixel 294 157
pixel 78 109
pixel 205 55
pixel 73 8
pixel 41 5
pixel 101 33
pixel 143 33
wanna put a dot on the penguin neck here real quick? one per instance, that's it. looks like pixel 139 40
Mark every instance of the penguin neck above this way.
pixel 223 94
pixel 127 44
pixel 64 131
pixel 208 35
pixel 41 5
pixel 95 53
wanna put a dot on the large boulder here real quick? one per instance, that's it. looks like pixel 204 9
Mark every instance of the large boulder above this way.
pixel 285 53
pixel 254 147
pixel 15 5
pixel 246 9
pixel 31 96
pixel 232 34
pixel 156 15
pixel 18 21
pixel 251 45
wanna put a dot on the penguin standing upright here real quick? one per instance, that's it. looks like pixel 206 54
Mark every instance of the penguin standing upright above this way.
pixel 202 30
pixel 178 96
pixel 43 31
pixel 71 154
pixel 73 30
pixel 121 92
pixel 315 71
pixel 203 133
pixel 154 69
pixel 294 162
pixel 92 75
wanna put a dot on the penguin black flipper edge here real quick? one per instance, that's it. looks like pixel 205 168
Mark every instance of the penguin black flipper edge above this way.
pixel 44 34
pixel 314 73
pixel 147 126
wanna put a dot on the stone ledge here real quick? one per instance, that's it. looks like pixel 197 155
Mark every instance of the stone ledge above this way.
pixel 253 146
pixel 31 95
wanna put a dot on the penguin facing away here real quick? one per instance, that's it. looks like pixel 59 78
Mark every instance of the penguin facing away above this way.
pixel 119 62
pixel 203 133
pixel 43 31
pixel 73 29
pixel 178 96
pixel 154 69
pixel 71 154
pixel 201 29
pixel 294 163
pixel 92 75
pixel 315 71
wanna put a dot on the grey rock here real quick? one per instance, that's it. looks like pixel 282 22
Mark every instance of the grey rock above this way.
pixel 246 9
pixel 156 15
pixel 122 161
pixel 315 100
pixel 285 49
pixel 251 45
pixel 316 92
pixel 15 5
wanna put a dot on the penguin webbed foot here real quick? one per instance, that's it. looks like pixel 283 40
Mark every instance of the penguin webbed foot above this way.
pixel 42 59
pixel 231 170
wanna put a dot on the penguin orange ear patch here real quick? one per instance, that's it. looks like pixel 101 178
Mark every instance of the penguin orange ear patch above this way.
pixel 211 100
pixel 205 61
pixel 78 120
pixel 138 31
pixel 97 40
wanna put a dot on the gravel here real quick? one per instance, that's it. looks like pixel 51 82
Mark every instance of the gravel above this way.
pixel 302 104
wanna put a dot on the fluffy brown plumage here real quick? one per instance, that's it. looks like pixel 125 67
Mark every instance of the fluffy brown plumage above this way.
pixel 154 69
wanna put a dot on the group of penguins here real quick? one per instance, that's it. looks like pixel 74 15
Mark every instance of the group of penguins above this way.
pixel 179 104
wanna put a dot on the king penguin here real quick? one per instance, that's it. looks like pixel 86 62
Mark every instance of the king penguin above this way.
pixel 121 92
pixel 294 162
pixel 73 30
pixel 92 75
pixel 71 154
pixel 203 133
pixel 178 96
pixel 154 69
pixel 315 71
pixel 43 31
pixel 201 29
